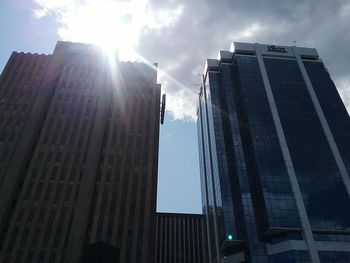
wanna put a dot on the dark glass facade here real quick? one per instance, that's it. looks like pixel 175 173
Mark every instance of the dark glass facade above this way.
pixel 79 154
pixel 274 158
pixel 318 175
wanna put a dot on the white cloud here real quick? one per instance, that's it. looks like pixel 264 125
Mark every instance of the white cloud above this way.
pixel 108 23
pixel 57 7
pixel 164 18
pixel 250 31
pixel 180 35
pixel 181 101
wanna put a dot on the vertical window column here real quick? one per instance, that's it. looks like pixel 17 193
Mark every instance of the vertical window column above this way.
pixel 339 161
pixel 288 161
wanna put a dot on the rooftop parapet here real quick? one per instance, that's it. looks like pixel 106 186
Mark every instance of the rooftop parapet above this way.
pixel 263 49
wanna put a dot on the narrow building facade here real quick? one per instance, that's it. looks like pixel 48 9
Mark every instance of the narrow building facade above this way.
pixel 181 238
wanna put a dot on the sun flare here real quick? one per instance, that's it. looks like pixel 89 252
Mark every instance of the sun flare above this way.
pixel 110 24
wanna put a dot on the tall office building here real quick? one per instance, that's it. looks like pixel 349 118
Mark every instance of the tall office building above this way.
pixel 181 238
pixel 274 157
pixel 78 157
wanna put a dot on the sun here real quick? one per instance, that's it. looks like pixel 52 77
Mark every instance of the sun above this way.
pixel 115 26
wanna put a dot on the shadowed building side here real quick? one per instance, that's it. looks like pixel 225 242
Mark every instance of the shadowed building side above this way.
pixel 123 208
pixel 83 174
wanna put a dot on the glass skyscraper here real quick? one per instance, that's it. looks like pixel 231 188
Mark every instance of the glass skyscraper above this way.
pixel 274 145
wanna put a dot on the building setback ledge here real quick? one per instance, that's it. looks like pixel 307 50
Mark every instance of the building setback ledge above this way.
pixel 332 246
pixel 286 246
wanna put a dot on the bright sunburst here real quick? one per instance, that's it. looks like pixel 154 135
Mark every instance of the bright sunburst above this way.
pixel 111 24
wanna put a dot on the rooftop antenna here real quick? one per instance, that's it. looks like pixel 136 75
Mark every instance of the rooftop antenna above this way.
pixel 162 109
pixel 200 85
pixel 197 85
pixel 201 76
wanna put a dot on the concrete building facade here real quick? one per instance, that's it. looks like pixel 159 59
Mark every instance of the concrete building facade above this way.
pixel 79 157
pixel 181 238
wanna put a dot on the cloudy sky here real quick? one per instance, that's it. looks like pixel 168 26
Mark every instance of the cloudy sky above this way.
pixel 180 35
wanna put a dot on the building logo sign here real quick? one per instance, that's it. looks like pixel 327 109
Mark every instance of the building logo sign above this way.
pixel 273 48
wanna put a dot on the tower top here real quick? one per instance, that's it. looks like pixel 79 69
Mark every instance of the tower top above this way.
pixel 266 50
